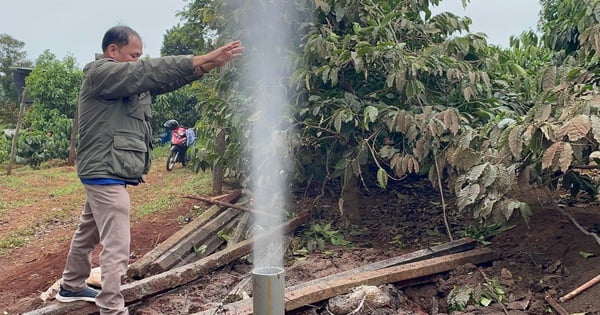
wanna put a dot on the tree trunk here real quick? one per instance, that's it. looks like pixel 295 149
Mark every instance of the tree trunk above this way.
pixel 350 201
pixel 73 143
pixel 13 149
pixel 217 171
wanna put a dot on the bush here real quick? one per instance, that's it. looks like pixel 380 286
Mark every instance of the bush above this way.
pixel 5 144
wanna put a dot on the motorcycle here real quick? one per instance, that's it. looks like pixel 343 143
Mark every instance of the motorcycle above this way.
pixel 181 139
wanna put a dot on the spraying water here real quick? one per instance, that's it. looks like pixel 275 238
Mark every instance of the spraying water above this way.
pixel 266 42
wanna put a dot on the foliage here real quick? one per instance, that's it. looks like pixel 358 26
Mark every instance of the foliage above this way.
pixel 12 56
pixel 5 145
pixel 385 89
pixel 189 38
pixel 179 105
pixel 45 136
pixel 384 93
pixel 228 116
pixel 561 132
pixel 55 84
pixel 318 236
pixel 567 24
pixel 480 294
pixel 483 233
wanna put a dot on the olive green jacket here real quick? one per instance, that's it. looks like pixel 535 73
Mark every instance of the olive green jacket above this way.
pixel 114 113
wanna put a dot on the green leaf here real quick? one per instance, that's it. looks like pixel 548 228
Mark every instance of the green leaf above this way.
pixel 459 298
pixel 382 178
pixel 586 254
pixel 371 112
pixel 337 123
pixel 485 301
pixel 200 250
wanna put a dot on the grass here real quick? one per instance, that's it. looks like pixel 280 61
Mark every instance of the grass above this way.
pixel 170 195
pixel 54 194
pixel 15 239
pixel 25 185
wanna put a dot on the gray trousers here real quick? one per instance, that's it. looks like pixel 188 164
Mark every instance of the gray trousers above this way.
pixel 104 220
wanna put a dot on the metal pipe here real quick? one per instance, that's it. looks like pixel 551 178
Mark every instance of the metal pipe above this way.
pixel 268 291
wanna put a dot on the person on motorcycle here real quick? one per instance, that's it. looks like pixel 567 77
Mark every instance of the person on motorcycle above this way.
pixel 182 138
pixel 114 151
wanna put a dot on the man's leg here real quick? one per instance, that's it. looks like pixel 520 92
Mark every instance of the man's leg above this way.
pixel 110 206
pixel 79 260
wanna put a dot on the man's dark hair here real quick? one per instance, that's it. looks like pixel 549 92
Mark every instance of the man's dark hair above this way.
pixel 118 35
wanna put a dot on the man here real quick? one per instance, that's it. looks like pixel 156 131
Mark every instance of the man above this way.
pixel 114 151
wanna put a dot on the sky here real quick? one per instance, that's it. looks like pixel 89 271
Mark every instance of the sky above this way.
pixel 76 27
pixel 498 19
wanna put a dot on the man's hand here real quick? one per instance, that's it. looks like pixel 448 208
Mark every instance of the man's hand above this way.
pixel 218 57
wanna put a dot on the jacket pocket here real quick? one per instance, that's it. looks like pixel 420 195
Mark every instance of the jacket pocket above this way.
pixel 128 155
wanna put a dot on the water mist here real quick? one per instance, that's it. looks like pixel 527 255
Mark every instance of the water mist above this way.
pixel 266 42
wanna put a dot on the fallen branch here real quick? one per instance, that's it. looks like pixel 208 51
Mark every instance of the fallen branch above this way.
pixel 230 205
pixel 580 289
pixel 555 306
pixel 492 292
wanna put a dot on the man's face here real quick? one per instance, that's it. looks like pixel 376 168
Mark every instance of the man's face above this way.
pixel 130 52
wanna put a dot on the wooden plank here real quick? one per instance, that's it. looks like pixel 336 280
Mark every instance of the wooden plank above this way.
pixel 238 234
pixel 426 254
pixel 452 247
pixel 304 296
pixel 187 245
pixel 139 268
pixel 455 246
pixel 176 277
pixel 210 245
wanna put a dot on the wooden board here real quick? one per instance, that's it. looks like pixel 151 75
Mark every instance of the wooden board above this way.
pixel 424 256
pixel 186 246
pixel 176 277
pixel 140 267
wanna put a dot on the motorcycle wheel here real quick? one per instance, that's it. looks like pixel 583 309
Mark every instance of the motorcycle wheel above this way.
pixel 172 159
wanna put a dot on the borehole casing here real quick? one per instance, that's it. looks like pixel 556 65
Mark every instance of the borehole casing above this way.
pixel 268 291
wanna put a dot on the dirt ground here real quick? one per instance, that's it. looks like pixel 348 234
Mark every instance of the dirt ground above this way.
pixel 547 257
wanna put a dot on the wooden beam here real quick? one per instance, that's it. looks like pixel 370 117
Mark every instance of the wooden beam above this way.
pixel 304 296
pixel 452 247
pixel 455 246
pixel 210 245
pixel 238 234
pixel 176 277
pixel 140 267
pixel 186 246
pixel 327 287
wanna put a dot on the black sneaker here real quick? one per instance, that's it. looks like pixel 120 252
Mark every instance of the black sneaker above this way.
pixel 88 295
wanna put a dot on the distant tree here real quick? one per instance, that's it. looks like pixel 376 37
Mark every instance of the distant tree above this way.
pixel 11 56
pixel 191 37
pixel 179 105
pixel 54 86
